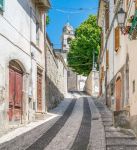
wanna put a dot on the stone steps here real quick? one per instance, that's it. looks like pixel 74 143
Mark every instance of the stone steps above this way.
pixel 121 148
pixel 116 138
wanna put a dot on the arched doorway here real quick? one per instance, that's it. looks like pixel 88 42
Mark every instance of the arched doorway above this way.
pixel 118 93
pixel 15 92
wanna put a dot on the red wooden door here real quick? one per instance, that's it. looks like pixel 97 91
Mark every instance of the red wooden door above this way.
pixel 15 95
pixel 118 94
pixel 11 93
pixel 39 92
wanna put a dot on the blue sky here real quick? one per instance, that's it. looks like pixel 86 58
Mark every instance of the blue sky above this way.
pixel 62 10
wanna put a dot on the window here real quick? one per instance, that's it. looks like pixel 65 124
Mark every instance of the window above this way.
pixel 107 59
pixel 37 33
pixel 135 4
pixel 69 40
pixel 2 5
pixel 102 73
pixel 102 42
pixel 117 38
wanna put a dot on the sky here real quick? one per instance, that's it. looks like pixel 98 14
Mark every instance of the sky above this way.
pixel 62 11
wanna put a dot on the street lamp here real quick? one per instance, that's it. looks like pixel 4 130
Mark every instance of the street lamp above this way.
pixel 121 16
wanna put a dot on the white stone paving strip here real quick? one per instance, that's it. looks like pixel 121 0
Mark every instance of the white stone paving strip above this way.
pixel 66 136
pixel 49 116
pixel 97 135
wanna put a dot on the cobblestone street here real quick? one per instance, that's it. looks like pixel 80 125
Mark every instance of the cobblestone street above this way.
pixel 81 123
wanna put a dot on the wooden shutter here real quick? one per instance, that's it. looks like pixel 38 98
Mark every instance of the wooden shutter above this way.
pixel 107 17
pixel 102 73
pixel 18 89
pixel 117 38
pixel 102 42
pixel 11 86
pixel 135 4
pixel 39 90
pixel 107 59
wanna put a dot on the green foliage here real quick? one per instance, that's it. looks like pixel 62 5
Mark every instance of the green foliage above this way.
pixel 87 39
pixel 47 20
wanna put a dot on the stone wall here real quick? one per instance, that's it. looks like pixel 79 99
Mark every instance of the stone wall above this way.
pixel 92 84
pixel 54 77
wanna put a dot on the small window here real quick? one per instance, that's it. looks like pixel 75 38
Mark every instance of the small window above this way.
pixel 37 33
pixel 133 86
pixel 2 5
pixel 69 40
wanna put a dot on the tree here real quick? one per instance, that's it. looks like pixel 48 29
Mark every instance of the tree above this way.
pixel 87 39
pixel 47 20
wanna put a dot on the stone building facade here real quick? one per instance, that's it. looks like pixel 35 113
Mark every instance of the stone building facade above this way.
pixel 56 74
pixel 118 76
pixel 22 60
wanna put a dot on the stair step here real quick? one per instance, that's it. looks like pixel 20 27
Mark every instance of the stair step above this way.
pixel 121 147
pixel 119 135
pixel 107 123
pixel 121 142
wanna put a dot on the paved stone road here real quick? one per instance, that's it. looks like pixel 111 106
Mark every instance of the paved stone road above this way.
pixel 72 131
pixel 81 124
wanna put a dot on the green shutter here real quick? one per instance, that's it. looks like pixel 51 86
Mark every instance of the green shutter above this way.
pixel 2 5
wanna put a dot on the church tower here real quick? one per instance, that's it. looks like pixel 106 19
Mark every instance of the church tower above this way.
pixel 67 36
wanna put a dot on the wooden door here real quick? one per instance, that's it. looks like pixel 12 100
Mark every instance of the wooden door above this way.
pixel 118 94
pixel 11 93
pixel 15 95
pixel 39 92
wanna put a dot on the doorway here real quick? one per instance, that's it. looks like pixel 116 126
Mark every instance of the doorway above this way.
pixel 15 92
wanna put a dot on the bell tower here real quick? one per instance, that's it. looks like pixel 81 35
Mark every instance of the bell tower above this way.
pixel 67 36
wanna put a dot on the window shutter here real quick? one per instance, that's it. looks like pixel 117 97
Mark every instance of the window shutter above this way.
pixel 102 42
pixel 117 38
pixel 107 59
pixel 107 17
pixel 135 4
pixel 2 5
pixel 102 73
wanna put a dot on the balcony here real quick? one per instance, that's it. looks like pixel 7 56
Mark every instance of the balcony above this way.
pixel 42 4
pixel 133 28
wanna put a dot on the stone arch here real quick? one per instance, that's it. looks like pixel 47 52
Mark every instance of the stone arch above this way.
pixel 18 64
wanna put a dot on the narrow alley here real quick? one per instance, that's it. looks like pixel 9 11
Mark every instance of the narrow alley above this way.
pixel 81 123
